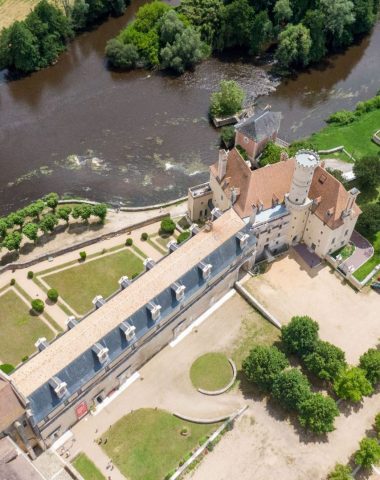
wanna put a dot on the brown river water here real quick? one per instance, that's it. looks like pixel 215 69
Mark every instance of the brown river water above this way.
pixel 141 137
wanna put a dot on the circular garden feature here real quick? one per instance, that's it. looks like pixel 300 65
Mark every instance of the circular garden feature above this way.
pixel 211 372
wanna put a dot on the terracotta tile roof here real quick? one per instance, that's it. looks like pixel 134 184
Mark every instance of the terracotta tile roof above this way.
pixel 332 196
pixel 261 185
pixel 10 407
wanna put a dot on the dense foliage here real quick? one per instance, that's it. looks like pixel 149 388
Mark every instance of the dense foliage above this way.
pixel 368 223
pixel 300 335
pixel 367 171
pixel 351 384
pixel 167 226
pixel 370 363
pixel 340 472
pixel 318 413
pixel 38 305
pixel 325 361
pixel 228 100
pixel 368 453
pixel 291 388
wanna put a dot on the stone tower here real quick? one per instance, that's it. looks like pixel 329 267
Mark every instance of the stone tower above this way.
pixel 297 200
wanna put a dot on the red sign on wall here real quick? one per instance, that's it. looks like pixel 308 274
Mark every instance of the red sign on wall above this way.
pixel 81 410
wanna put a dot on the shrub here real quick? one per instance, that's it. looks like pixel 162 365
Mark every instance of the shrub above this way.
pixel 182 237
pixel 134 275
pixel 38 305
pixel 30 275
pixel 24 359
pixel 343 117
pixel 7 368
pixel 83 255
pixel 377 424
pixel 144 236
pixel 227 135
pixel 300 335
pixel 242 152
pixel 13 281
pixel 340 472
pixel 52 294
pixel 167 226
pixel 291 388
pixel 228 100
pixel 317 413
pixel 370 363
pixel 129 242
pixel 326 361
pixel 368 453
pixel 352 384
pixel 271 154
pixel 263 365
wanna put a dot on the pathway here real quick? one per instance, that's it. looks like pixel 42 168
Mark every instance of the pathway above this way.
pixel 363 252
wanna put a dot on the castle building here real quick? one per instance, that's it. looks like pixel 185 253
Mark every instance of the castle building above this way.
pixel 295 200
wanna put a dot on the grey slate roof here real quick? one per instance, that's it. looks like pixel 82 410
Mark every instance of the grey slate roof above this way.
pixel 260 126
pixel 76 374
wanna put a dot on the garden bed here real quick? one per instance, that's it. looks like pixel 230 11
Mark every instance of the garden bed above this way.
pixel 211 372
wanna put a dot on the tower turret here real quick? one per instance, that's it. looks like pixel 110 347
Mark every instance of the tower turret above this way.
pixel 306 163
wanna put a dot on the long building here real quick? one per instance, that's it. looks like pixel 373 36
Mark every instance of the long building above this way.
pixel 69 377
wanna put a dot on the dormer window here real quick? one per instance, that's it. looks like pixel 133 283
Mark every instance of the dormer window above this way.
pixel 98 301
pixel 179 291
pixel 59 387
pixel 124 282
pixel 172 246
pixel 155 310
pixel 41 344
pixel 149 263
pixel 242 239
pixel 216 213
pixel 71 322
pixel 128 330
pixel 101 352
pixel 205 268
pixel 322 178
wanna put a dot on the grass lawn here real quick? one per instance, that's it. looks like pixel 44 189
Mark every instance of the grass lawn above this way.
pixel 147 444
pixel 86 468
pixel 356 137
pixel 367 268
pixel 19 329
pixel 80 284
pixel 211 371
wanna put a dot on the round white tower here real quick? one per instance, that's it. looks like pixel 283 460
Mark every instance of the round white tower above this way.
pixel 306 163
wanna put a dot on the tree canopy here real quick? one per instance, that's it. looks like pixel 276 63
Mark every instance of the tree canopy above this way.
pixel 351 384
pixel 228 100
pixel 318 413
pixel 368 453
pixel 326 360
pixel 370 363
pixel 291 388
pixel 300 335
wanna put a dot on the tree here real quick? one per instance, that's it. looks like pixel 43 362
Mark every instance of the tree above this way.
pixel 325 361
pixel 237 20
pixel 261 33
pixel 19 48
pixel 100 210
pixel 64 213
pixel 377 424
pixel 38 305
pixel 30 230
pixel 300 335
pixel 367 171
pixel 15 218
pixel 291 388
pixel 294 47
pixel 368 223
pixel 315 21
pixel 263 365
pixel 121 55
pixel 368 453
pixel 282 11
pixel 167 226
pixel 352 384
pixel 3 227
pixel 338 174
pixel 370 363
pixel 35 209
pixel 85 212
pixel 52 294
pixel 340 472
pixel 79 14
pixel 318 413
pixel 97 9
pixel 227 135
pixel 228 100
pixel 48 222
pixel 271 154
pixel 339 16
pixel 182 237
pixel 364 16
pixel 51 200
pixel 12 241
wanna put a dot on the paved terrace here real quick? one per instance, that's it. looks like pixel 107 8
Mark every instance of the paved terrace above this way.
pixel 68 347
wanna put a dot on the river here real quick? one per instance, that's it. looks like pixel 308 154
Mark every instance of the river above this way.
pixel 139 137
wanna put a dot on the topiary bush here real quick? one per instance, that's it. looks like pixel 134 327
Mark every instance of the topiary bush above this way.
pixel 144 236
pixel 7 368
pixel 38 305
pixel 13 281
pixel 182 237
pixel 129 242
pixel 52 295
pixel 83 256
pixel 290 388
pixel 30 275
pixel 167 226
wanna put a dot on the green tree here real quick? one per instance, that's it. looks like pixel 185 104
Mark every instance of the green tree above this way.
pixel 15 218
pixel 63 213
pixel 167 226
pixel 325 361
pixel 228 100
pixel 100 210
pixel 51 200
pixel 35 209
pixel 291 388
pixel 318 413
pixel 237 20
pixel 79 13
pixel 52 294
pixel 339 16
pixel 293 47
pixel 271 154
pixel 19 48
pixel 85 212
pixel 121 55
pixel 300 335
pixel 314 20
pixel 368 453
pixel 377 424
pixel 340 472
pixel 283 11
pixel 352 385
pixel 3 227
pixel 30 230
pixel 364 16
pixel 97 10
pixel 370 363
pixel 367 171
pixel 38 305
pixel 368 223
pixel 263 365
pixel 48 222
pixel 261 33
pixel 12 241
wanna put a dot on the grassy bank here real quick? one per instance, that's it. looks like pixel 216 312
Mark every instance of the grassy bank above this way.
pixel 356 137
pixel 87 468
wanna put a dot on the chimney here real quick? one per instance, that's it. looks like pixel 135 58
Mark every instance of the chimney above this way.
pixel 352 195
pixel 222 164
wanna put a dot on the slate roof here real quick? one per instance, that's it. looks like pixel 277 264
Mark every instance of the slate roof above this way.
pixel 260 126
pixel 219 247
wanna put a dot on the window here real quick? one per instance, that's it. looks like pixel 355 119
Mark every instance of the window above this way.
pixel 322 179
pixel 346 233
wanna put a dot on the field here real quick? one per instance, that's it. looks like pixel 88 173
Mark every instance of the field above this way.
pixel 78 285
pixel 147 444
pixel 19 329
pixel 86 468
pixel 356 137
pixel 366 269
pixel 211 371
pixel 11 10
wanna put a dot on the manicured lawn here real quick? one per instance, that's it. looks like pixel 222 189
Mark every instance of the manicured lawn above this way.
pixel 211 371
pixel 80 284
pixel 356 137
pixel 87 468
pixel 367 268
pixel 19 329
pixel 147 444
